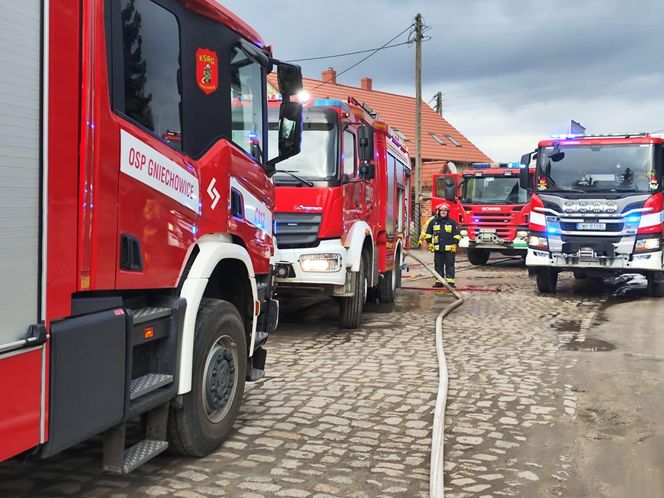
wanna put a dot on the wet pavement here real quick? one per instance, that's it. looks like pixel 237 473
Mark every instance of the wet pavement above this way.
pixel 349 413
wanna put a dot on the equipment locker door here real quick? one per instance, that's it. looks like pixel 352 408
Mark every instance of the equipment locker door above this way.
pixel 20 271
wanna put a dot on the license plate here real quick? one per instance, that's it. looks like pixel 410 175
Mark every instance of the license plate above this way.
pixel 487 230
pixel 486 237
pixel 591 226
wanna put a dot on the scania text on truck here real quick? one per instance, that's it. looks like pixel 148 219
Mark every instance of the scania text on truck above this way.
pixel 490 206
pixel 137 222
pixel 342 209
pixel 597 209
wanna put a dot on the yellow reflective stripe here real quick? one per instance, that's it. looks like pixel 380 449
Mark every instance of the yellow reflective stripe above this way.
pixel 436 228
pixel 458 237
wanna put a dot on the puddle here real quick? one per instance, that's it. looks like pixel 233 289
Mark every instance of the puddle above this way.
pixel 567 325
pixel 587 345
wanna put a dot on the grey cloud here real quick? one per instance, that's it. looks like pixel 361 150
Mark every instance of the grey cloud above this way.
pixel 521 63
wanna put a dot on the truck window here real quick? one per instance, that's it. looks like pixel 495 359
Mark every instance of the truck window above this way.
pixel 350 153
pixel 247 103
pixel 151 55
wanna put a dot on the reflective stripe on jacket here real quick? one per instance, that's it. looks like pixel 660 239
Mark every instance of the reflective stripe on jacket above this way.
pixel 442 234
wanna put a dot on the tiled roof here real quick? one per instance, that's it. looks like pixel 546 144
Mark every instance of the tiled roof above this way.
pixel 399 112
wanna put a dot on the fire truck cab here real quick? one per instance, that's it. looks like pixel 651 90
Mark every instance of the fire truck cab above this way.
pixel 596 209
pixel 342 211
pixel 490 206
pixel 135 273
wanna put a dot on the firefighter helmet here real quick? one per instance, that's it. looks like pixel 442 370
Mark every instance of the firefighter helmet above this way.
pixel 444 206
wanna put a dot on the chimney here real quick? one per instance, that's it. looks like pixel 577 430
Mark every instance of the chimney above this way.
pixel 330 75
pixel 366 84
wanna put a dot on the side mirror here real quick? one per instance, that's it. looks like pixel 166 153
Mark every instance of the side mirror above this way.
pixel 365 146
pixel 367 171
pixel 526 158
pixel 290 133
pixel 524 177
pixel 289 78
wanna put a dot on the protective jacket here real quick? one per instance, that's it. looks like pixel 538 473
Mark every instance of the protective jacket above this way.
pixel 443 234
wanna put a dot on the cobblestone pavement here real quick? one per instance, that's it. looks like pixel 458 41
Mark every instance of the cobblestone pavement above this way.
pixel 348 413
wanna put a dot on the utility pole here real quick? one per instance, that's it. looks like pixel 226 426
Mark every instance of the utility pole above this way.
pixel 418 123
pixel 439 103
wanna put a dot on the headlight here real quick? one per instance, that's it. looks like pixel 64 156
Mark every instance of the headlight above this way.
pixel 320 263
pixel 522 234
pixel 538 242
pixel 648 244
pixel 464 233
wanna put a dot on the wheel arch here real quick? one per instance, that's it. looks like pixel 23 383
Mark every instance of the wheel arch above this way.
pixel 360 238
pixel 219 270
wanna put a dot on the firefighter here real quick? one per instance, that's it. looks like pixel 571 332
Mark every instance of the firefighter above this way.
pixel 443 236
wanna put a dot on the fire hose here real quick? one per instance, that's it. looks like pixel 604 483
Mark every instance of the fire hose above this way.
pixel 436 484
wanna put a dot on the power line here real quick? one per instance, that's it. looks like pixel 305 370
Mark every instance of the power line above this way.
pixel 349 53
pixel 374 52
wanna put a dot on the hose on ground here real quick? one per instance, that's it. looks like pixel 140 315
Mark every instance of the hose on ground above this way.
pixel 436 484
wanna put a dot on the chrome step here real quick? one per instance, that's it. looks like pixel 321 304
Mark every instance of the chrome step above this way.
pixel 140 453
pixel 143 315
pixel 145 384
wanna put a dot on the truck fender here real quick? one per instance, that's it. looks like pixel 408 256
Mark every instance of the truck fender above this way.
pixel 354 241
pixel 212 250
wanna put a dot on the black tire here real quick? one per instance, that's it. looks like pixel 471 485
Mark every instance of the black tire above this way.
pixel 478 257
pixel 655 284
pixel 350 308
pixel 387 286
pixel 202 423
pixel 547 280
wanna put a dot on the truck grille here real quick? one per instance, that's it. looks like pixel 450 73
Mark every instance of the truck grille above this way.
pixel 294 230
pixel 500 222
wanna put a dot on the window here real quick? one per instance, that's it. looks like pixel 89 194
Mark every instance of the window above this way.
pixel 151 49
pixel 453 140
pixel 437 138
pixel 247 103
pixel 349 153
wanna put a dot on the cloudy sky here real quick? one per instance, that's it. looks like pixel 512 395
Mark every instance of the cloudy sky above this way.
pixel 511 71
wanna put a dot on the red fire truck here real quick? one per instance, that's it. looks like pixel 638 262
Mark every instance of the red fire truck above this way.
pixel 490 206
pixel 597 208
pixel 136 221
pixel 342 209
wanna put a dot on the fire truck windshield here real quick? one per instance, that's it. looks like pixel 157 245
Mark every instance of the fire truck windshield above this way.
pixel 611 168
pixel 493 190
pixel 318 157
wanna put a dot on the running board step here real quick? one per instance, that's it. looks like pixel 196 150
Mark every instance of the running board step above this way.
pixel 143 315
pixel 140 453
pixel 145 384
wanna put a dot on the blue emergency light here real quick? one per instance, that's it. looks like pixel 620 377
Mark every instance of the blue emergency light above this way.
pixel 331 103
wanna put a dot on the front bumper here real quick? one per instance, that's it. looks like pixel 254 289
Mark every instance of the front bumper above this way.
pixel 518 243
pixel 289 261
pixel 651 261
